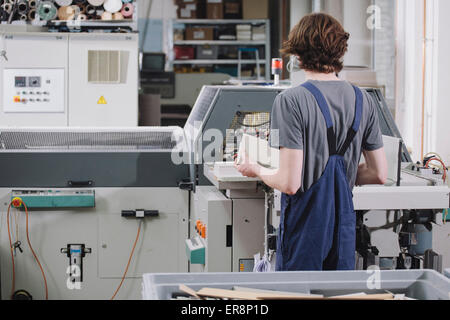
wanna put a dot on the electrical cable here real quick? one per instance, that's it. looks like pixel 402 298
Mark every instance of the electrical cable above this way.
pixel 427 165
pixel 17 203
pixel 129 261
pixel 13 286
pixel 34 253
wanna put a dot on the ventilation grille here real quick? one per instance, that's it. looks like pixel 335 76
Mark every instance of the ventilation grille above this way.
pixel 86 141
pixel 103 66
pixel 202 106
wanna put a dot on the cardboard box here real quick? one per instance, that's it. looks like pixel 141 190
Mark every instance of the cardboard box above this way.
pixel 191 9
pixel 214 9
pixel 255 9
pixel 207 52
pixel 199 33
pixel 184 53
pixel 232 9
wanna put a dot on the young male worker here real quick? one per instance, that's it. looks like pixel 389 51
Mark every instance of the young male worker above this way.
pixel 324 127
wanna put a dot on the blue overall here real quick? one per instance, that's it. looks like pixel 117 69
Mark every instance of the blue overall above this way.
pixel 318 227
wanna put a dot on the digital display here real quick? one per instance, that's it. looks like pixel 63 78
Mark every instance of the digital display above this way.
pixel 20 82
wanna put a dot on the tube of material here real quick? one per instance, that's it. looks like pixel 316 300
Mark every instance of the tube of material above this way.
pixel 90 10
pixel 32 15
pixel 66 13
pixel 82 17
pixel 118 16
pixel 47 10
pixel 128 10
pixel 63 3
pixel 32 4
pixel 7 7
pixel 113 5
pixel 107 16
pixel 22 8
pixel 96 3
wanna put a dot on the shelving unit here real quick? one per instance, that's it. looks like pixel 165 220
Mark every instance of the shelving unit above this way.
pixel 207 22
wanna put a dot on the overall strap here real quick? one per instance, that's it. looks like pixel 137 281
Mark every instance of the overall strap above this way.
pixel 323 105
pixel 356 122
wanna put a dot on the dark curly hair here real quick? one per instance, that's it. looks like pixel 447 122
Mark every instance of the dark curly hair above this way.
pixel 320 42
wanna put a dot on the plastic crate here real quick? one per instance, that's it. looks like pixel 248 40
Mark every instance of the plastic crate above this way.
pixel 415 284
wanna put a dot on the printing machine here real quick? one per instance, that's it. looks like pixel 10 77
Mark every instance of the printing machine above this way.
pixel 86 186
pixel 400 225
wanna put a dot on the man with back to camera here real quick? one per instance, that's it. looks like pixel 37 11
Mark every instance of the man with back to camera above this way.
pixel 324 126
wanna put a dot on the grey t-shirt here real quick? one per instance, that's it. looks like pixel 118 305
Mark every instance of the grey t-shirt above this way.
pixel 302 126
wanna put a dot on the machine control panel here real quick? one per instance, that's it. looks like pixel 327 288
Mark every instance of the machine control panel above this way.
pixel 33 90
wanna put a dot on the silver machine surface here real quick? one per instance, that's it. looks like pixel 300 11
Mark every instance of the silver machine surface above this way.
pixel 87 186
pixel 37 89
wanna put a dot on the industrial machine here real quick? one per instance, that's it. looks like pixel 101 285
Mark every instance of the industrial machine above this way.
pixel 88 192
pixel 68 79
pixel 400 225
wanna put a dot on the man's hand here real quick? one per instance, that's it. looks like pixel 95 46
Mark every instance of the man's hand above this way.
pixel 248 169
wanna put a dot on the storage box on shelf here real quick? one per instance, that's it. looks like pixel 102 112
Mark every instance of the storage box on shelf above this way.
pixel 255 9
pixel 222 39
pixel 190 9
pixel 214 9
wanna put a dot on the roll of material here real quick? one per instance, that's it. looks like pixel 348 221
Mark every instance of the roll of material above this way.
pixel 76 9
pixel 32 4
pixel 22 8
pixel 23 17
pixel 7 7
pixel 47 10
pixel 113 5
pixel 63 3
pixel 107 16
pixel 118 16
pixel 82 17
pixel 82 7
pixel 32 15
pixel 96 3
pixel 128 10
pixel 66 13
pixel 90 10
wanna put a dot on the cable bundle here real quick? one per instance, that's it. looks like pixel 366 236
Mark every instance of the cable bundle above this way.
pixel 65 10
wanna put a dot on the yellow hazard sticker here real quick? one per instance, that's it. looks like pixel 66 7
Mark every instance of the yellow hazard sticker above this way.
pixel 102 100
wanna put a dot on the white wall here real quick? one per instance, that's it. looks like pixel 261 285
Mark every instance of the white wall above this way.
pixel 352 14
pixel 409 73
pixel 410 100
pixel 441 112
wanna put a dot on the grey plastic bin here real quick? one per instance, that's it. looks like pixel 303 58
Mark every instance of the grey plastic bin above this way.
pixel 420 284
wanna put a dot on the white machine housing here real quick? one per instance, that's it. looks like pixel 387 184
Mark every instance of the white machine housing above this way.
pixel 75 80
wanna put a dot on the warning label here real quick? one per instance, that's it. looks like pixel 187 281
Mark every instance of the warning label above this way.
pixel 102 100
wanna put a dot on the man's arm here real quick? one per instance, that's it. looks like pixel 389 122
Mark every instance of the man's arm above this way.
pixel 375 170
pixel 287 179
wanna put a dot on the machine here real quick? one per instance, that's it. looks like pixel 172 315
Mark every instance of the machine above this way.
pixel 68 79
pixel 85 190
pixel 400 225
pixel 89 191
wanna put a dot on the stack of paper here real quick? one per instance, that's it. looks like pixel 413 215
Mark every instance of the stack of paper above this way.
pixel 259 33
pixel 244 32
